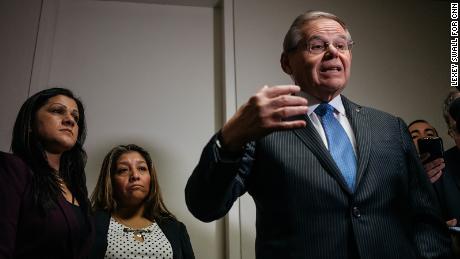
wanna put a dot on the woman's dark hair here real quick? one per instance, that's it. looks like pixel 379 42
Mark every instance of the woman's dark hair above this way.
pixel 27 145
pixel 104 198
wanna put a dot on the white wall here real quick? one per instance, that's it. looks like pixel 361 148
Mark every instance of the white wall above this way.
pixel 400 60
pixel 147 75
pixel 18 30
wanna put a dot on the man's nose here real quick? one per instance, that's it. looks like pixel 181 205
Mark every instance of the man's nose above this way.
pixel 331 51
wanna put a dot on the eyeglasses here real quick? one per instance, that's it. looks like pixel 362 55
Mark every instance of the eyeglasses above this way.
pixel 318 45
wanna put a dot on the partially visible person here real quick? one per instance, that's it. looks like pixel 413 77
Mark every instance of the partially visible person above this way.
pixel 451 180
pixel 131 218
pixel 330 178
pixel 43 191
pixel 453 158
pixel 454 112
pixel 421 129
pixel 450 122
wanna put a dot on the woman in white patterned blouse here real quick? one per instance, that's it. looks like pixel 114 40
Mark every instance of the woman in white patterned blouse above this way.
pixel 130 216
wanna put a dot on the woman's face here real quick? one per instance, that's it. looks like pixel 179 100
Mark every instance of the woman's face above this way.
pixel 56 124
pixel 131 181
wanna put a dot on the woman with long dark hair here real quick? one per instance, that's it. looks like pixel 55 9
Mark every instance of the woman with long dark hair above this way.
pixel 131 218
pixel 43 191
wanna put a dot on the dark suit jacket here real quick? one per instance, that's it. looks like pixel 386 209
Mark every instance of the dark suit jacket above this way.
pixel 25 232
pixel 448 186
pixel 175 232
pixel 304 207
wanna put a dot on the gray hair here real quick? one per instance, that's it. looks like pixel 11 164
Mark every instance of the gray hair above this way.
pixel 294 34
pixel 454 93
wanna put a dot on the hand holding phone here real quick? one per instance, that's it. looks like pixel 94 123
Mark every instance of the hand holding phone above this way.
pixel 431 150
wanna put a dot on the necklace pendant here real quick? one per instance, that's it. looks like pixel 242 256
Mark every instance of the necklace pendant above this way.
pixel 138 236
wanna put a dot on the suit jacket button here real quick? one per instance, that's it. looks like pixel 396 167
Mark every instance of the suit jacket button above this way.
pixel 356 213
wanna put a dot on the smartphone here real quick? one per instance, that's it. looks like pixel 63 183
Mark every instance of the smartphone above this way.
pixel 432 145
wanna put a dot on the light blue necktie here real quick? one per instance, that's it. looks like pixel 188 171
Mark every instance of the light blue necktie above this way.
pixel 339 144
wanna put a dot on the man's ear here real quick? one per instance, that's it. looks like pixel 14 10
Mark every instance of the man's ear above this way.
pixel 451 133
pixel 285 63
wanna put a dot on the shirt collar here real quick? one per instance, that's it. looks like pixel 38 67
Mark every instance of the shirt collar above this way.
pixel 314 102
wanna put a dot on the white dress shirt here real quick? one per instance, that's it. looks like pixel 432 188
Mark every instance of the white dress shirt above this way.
pixel 339 114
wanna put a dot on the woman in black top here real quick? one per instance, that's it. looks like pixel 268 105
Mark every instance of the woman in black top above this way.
pixel 42 184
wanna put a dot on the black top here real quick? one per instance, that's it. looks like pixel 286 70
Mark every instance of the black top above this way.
pixel 81 232
pixel 25 231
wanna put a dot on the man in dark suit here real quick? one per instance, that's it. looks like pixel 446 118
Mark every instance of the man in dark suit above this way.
pixel 330 178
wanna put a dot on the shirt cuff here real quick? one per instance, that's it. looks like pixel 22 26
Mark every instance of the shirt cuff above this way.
pixel 223 154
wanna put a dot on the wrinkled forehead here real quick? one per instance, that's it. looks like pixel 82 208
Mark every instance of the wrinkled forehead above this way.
pixel 324 27
pixel 130 157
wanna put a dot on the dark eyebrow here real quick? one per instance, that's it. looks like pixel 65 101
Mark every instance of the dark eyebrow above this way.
pixel 123 163
pixel 415 131
pixel 430 130
pixel 60 104
pixel 137 162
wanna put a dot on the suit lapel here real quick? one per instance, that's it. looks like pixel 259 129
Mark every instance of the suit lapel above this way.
pixel 359 120
pixel 312 140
